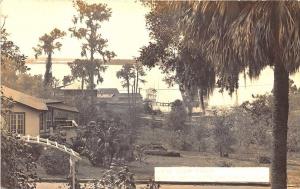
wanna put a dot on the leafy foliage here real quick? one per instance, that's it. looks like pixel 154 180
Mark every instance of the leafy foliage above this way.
pixel 181 64
pixel 55 162
pixel 47 44
pixel 116 178
pixel 12 60
pixel 87 24
pixel 104 141
pixel 177 117
pixel 17 163
pixel 223 132
pixel 11 57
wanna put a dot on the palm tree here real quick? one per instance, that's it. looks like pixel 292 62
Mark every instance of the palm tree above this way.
pixel 240 36
pixel 47 44
pixel 126 73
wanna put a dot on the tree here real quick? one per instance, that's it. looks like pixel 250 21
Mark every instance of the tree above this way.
pixel 104 141
pixel 12 60
pixel 87 24
pixel 177 117
pixel 48 44
pixel 240 36
pixel 17 166
pixel 126 73
pixel 137 76
pixel 172 55
pixel 223 132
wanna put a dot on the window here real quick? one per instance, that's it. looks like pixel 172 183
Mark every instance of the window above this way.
pixel 42 121
pixel 17 123
pixel 48 120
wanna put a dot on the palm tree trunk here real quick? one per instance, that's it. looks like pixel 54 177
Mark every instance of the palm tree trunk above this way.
pixel 128 94
pixel 133 93
pixel 137 82
pixel 280 128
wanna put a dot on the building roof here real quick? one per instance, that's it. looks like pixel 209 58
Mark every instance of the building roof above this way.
pixel 24 99
pixel 62 106
pixel 108 91
pixel 125 95
pixel 50 101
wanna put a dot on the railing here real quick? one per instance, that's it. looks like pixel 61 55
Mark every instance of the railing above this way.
pixel 162 104
pixel 49 143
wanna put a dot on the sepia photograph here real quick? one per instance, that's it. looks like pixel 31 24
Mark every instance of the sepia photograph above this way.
pixel 150 94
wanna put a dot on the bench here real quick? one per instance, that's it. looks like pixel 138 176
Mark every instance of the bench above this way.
pixel 213 175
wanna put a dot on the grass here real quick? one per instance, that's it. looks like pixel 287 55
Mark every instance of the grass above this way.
pixel 145 169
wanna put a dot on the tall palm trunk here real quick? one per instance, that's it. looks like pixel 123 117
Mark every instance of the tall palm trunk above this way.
pixel 132 93
pixel 137 82
pixel 280 128
pixel 281 107
pixel 48 72
pixel 128 93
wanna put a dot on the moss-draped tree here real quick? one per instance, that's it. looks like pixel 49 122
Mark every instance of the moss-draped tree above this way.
pixel 48 44
pixel 87 24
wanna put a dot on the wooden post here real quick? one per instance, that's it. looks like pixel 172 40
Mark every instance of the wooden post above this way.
pixel 72 171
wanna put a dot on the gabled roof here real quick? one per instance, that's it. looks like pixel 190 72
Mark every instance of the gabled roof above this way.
pixel 25 99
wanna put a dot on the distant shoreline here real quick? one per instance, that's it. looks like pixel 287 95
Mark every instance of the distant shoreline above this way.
pixel 68 60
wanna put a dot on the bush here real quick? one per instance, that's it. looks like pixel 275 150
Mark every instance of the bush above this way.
pixel 55 162
pixel 177 117
pixel 264 160
pixel 104 141
pixel 180 140
pixel 18 168
pixel 293 139
pixel 36 151
pixel 115 178
pixel 223 133
pixel 225 164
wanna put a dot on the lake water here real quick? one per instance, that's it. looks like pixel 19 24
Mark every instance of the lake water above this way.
pixel 165 93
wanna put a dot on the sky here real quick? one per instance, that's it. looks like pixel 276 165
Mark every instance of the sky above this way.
pixel 27 20
pixel 126 33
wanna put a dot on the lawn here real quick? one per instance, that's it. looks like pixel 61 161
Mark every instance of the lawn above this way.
pixel 145 169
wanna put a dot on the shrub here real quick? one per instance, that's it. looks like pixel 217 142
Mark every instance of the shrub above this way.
pixel 223 132
pixel 18 168
pixel 175 120
pixel 264 159
pixel 114 178
pixel 225 164
pixel 294 139
pixel 104 141
pixel 55 162
pixel 180 140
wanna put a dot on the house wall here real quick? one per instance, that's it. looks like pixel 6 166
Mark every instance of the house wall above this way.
pixel 32 119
